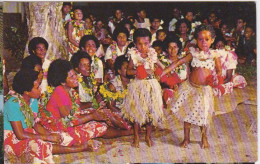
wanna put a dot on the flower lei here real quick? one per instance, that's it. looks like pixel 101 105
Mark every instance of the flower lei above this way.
pixel 137 59
pixel 95 66
pixel 108 95
pixel 61 124
pixel 78 26
pixel 201 55
pixel 89 88
pixel 24 108
pixel 113 47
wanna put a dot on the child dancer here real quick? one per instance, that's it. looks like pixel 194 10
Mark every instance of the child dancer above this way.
pixel 194 101
pixel 143 102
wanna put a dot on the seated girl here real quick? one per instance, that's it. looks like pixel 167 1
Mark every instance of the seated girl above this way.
pixel 118 46
pixel 90 44
pixel 64 114
pixel 89 94
pixel 24 137
pixel 228 65
pixel 176 76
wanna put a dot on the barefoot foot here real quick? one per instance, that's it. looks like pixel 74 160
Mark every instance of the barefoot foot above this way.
pixel 136 143
pixel 204 143
pixel 149 142
pixel 184 143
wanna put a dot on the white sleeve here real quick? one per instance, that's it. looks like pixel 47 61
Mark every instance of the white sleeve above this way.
pixel 100 71
pixel 108 54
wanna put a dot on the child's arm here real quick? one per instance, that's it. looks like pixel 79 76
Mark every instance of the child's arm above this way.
pixel 158 63
pixel 175 65
pixel 70 30
pixel 218 66
pixel 228 76
pixel 130 69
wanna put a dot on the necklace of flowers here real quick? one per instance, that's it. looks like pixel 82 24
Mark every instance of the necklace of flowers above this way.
pixel 58 124
pixel 150 59
pixel 78 26
pixel 108 95
pixel 113 47
pixel 90 88
pixel 24 108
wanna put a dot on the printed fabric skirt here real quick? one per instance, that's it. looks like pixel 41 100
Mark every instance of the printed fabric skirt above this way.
pixel 193 103
pixel 27 150
pixel 143 102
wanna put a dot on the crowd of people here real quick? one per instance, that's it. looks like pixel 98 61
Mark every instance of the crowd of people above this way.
pixel 121 77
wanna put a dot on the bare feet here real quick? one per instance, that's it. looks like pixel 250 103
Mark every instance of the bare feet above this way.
pixel 136 142
pixel 204 142
pixel 149 142
pixel 184 143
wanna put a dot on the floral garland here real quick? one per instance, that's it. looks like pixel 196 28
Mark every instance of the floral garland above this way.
pixel 61 124
pixel 95 66
pixel 148 62
pixel 78 26
pixel 108 95
pixel 201 55
pixel 24 108
pixel 90 88
pixel 113 48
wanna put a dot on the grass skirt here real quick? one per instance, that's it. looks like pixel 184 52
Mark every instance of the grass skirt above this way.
pixel 193 103
pixel 143 102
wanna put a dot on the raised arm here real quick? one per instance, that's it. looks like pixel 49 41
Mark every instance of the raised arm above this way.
pixel 218 66
pixel 185 59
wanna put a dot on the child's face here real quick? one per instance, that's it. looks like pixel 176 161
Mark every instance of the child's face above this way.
pixel 220 45
pixel 99 24
pixel 121 39
pixel 224 29
pixel 155 24
pixel 40 50
pixel 36 90
pixel 90 47
pixel 183 28
pixel 111 74
pixel 118 14
pixel 142 14
pixel 189 16
pixel 240 23
pixel 173 49
pixel 66 9
pixel 158 50
pixel 89 24
pixel 176 12
pixel 71 80
pixel 204 40
pixel 124 66
pixel 161 36
pixel 78 15
pixel 212 18
pixel 143 44
pixel 84 67
pixel 249 33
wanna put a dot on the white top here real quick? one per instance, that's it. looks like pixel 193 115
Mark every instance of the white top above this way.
pixel 84 97
pixel 113 52
pixel 146 23
pixel 97 67
pixel 154 34
pixel 228 61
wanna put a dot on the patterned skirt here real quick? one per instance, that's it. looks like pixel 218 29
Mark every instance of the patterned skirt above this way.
pixel 193 103
pixel 143 102
pixel 27 150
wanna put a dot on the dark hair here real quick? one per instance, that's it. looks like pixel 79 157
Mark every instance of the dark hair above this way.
pixel 160 30
pixel 153 18
pixel 118 30
pixel 173 39
pixel 219 38
pixel 119 62
pixel 75 59
pixel 58 72
pixel 34 42
pixel 66 4
pixel 24 80
pixel 203 27
pixel 30 62
pixel 142 32
pixel 157 43
pixel 86 38
pixel 179 22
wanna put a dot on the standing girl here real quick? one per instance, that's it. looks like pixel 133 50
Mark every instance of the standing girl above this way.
pixel 143 102
pixel 194 100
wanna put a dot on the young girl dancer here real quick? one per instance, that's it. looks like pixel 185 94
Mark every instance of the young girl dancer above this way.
pixel 143 102
pixel 194 101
